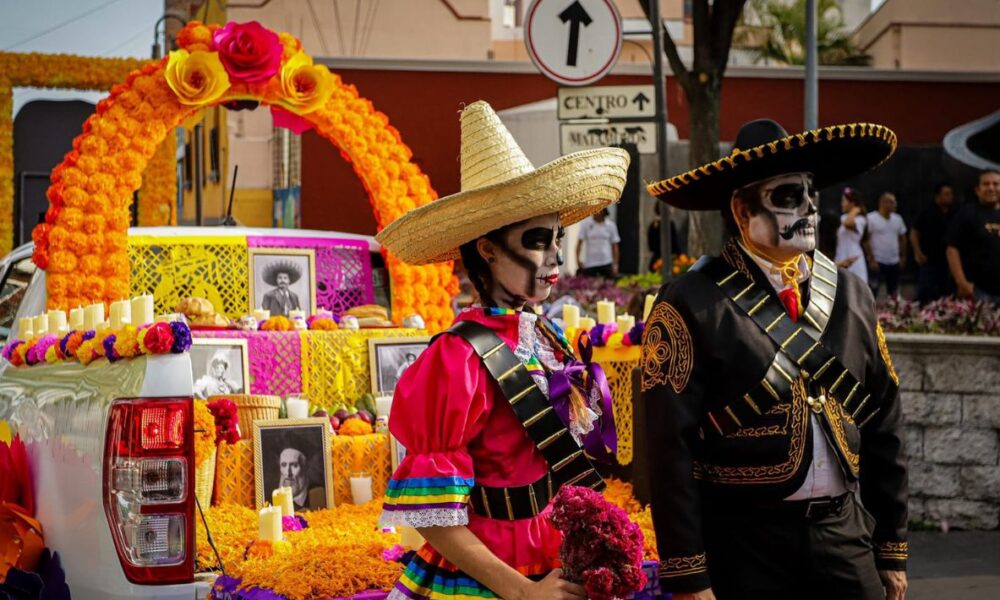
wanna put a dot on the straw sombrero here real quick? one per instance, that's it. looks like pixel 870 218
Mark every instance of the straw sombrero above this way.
pixel 763 149
pixel 270 275
pixel 501 187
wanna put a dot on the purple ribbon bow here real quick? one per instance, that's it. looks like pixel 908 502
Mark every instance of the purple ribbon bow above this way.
pixel 584 375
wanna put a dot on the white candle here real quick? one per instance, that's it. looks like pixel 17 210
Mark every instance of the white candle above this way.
pixel 650 299
pixel 40 325
pixel 297 408
pixel 76 318
pixel 361 489
pixel 120 314
pixel 142 310
pixel 282 498
pixel 571 316
pixel 93 315
pixel 625 323
pixel 605 312
pixel 25 328
pixel 57 321
pixel 102 326
pixel 587 323
pixel 383 404
pixel 261 315
pixel 269 524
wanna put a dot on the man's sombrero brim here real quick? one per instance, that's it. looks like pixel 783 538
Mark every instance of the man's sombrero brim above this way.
pixel 575 186
pixel 832 154
pixel 270 275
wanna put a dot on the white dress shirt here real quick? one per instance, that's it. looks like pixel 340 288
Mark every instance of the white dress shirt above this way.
pixel 825 477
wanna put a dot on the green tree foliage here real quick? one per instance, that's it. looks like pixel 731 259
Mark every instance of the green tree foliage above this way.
pixel 775 30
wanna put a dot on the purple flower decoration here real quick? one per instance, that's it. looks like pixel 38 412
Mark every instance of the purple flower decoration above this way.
pixel 63 341
pixel 182 337
pixel 8 350
pixel 393 554
pixel 601 332
pixel 293 523
pixel 88 335
pixel 109 348
pixel 37 353
pixel 634 335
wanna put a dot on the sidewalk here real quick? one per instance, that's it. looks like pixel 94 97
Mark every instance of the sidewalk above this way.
pixel 962 565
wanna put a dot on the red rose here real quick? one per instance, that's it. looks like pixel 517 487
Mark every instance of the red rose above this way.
pixel 250 52
pixel 159 338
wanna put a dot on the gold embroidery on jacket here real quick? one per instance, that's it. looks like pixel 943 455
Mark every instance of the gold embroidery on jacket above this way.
pixel 893 550
pixel 683 565
pixel 836 416
pixel 732 255
pixel 766 430
pixel 667 352
pixel 883 349
pixel 762 474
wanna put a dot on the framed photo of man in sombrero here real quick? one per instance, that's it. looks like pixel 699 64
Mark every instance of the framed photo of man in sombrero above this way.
pixel 283 280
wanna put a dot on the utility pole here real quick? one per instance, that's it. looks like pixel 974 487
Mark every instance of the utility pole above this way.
pixel 660 97
pixel 812 84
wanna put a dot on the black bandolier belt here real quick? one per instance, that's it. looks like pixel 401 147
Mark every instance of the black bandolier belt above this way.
pixel 800 353
pixel 568 465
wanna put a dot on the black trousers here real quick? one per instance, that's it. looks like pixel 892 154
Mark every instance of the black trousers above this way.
pixel 764 553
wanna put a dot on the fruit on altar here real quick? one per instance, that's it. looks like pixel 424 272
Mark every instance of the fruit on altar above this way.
pixel 341 414
pixel 320 413
pixel 366 402
pixel 366 416
pixel 335 423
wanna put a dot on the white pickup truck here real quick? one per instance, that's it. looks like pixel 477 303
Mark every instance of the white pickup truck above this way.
pixel 110 447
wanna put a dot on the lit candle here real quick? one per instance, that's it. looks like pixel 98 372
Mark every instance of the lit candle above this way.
pixel 625 323
pixel 650 299
pixel 261 315
pixel 40 325
pixel 297 408
pixel 120 314
pixel 383 404
pixel 282 498
pixel 142 310
pixel 605 312
pixel 25 328
pixel 76 318
pixel 57 321
pixel 571 316
pixel 270 524
pixel 361 489
pixel 93 315
pixel 587 323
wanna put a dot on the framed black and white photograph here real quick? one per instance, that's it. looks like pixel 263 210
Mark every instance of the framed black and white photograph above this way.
pixel 293 453
pixel 283 280
pixel 390 357
pixel 219 367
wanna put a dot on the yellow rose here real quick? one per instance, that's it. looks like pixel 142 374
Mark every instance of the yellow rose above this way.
pixel 304 86
pixel 197 78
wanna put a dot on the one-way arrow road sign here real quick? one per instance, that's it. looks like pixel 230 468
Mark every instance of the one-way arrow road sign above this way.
pixel 575 15
pixel 573 42
pixel 606 102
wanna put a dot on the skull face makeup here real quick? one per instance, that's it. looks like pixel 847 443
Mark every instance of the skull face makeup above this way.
pixel 524 263
pixel 781 220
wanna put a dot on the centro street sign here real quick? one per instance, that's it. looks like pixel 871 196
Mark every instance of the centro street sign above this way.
pixel 607 102
pixel 573 42
pixel 574 137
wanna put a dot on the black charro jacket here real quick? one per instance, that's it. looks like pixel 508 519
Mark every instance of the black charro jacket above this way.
pixel 704 361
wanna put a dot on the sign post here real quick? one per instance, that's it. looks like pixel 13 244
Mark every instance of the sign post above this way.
pixel 573 42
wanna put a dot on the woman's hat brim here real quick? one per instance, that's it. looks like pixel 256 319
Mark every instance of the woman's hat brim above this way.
pixel 832 154
pixel 574 186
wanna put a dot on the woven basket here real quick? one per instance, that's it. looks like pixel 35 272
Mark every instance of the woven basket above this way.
pixel 204 481
pixel 254 407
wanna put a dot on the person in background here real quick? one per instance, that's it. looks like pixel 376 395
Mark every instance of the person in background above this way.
pixel 599 237
pixel 927 238
pixel 887 240
pixel 653 239
pixel 851 233
pixel 973 242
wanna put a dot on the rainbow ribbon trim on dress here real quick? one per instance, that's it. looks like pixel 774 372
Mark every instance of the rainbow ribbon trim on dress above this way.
pixel 424 580
pixel 425 493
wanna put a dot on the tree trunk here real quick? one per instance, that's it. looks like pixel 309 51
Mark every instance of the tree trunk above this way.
pixel 705 235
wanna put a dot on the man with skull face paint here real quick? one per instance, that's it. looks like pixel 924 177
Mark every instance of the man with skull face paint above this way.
pixel 772 405
pixel 495 414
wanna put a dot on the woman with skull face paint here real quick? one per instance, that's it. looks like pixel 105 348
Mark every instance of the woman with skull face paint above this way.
pixel 771 401
pixel 497 413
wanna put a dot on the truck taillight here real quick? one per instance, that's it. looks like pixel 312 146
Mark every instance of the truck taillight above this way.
pixel 149 488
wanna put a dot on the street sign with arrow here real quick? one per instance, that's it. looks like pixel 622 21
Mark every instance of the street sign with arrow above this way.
pixel 607 102
pixel 573 42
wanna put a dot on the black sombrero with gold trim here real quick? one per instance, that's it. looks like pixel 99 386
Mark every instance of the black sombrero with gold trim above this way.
pixel 763 149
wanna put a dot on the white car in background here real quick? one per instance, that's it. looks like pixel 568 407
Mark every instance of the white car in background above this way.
pixel 112 458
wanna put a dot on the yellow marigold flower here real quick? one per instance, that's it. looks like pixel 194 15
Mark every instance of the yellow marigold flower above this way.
pixel 196 77
pixel 305 87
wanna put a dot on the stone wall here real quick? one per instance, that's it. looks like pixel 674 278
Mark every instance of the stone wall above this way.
pixel 951 405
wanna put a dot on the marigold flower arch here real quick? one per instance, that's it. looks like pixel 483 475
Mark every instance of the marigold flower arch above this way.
pixel 82 244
